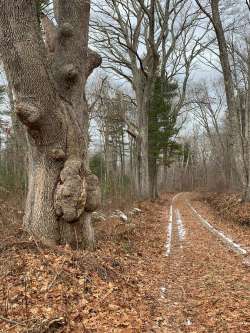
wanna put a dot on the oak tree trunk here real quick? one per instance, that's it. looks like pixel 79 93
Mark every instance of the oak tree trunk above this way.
pixel 228 84
pixel 153 176
pixel 246 194
pixel 48 84
pixel 143 95
pixel 143 157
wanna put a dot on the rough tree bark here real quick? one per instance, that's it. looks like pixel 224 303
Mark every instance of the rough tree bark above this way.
pixel 48 84
pixel 247 191
pixel 153 174
pixel 142 143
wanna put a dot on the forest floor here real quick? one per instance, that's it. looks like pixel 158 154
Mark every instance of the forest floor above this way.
pixel 139 280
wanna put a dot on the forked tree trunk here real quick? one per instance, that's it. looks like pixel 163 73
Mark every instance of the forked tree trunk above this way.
pixel 49 100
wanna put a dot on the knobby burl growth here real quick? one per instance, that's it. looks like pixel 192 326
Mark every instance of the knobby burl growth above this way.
pixel 48 65
pixel 76 193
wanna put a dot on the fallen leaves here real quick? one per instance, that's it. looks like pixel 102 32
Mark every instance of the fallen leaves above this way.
pixel 114 289
pixel 230 206
pixel 228 214
pixel 127 285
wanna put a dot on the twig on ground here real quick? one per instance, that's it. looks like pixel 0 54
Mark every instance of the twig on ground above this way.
pixel 105 296
pixel 13 322
pixel 56 276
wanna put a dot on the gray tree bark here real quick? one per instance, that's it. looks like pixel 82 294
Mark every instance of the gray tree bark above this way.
pixel 48 84
pixel 246 196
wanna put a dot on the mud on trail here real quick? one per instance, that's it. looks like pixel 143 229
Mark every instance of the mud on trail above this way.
pixel 169 274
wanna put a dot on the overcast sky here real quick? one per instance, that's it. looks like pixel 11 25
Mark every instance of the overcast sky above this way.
pixel 238 13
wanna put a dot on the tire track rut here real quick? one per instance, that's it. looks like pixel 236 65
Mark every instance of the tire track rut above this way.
pixel 207 288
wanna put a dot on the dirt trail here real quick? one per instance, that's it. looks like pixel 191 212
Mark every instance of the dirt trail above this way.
pixel 207 286
pixel 170 274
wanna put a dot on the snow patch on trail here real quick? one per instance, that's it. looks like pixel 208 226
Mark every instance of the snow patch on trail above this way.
pixel 228 241
pixel 180 226
pixel 169 232
pixel 170 227
pixel 162 292
pixel 176 196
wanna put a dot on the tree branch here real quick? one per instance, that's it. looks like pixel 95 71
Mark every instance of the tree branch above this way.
pixel 94 60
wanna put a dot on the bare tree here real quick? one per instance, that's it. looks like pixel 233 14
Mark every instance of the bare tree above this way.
pixel 140 40
pixel 212 10
pixel 48 88
pixel 210 112
pixel 113 117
